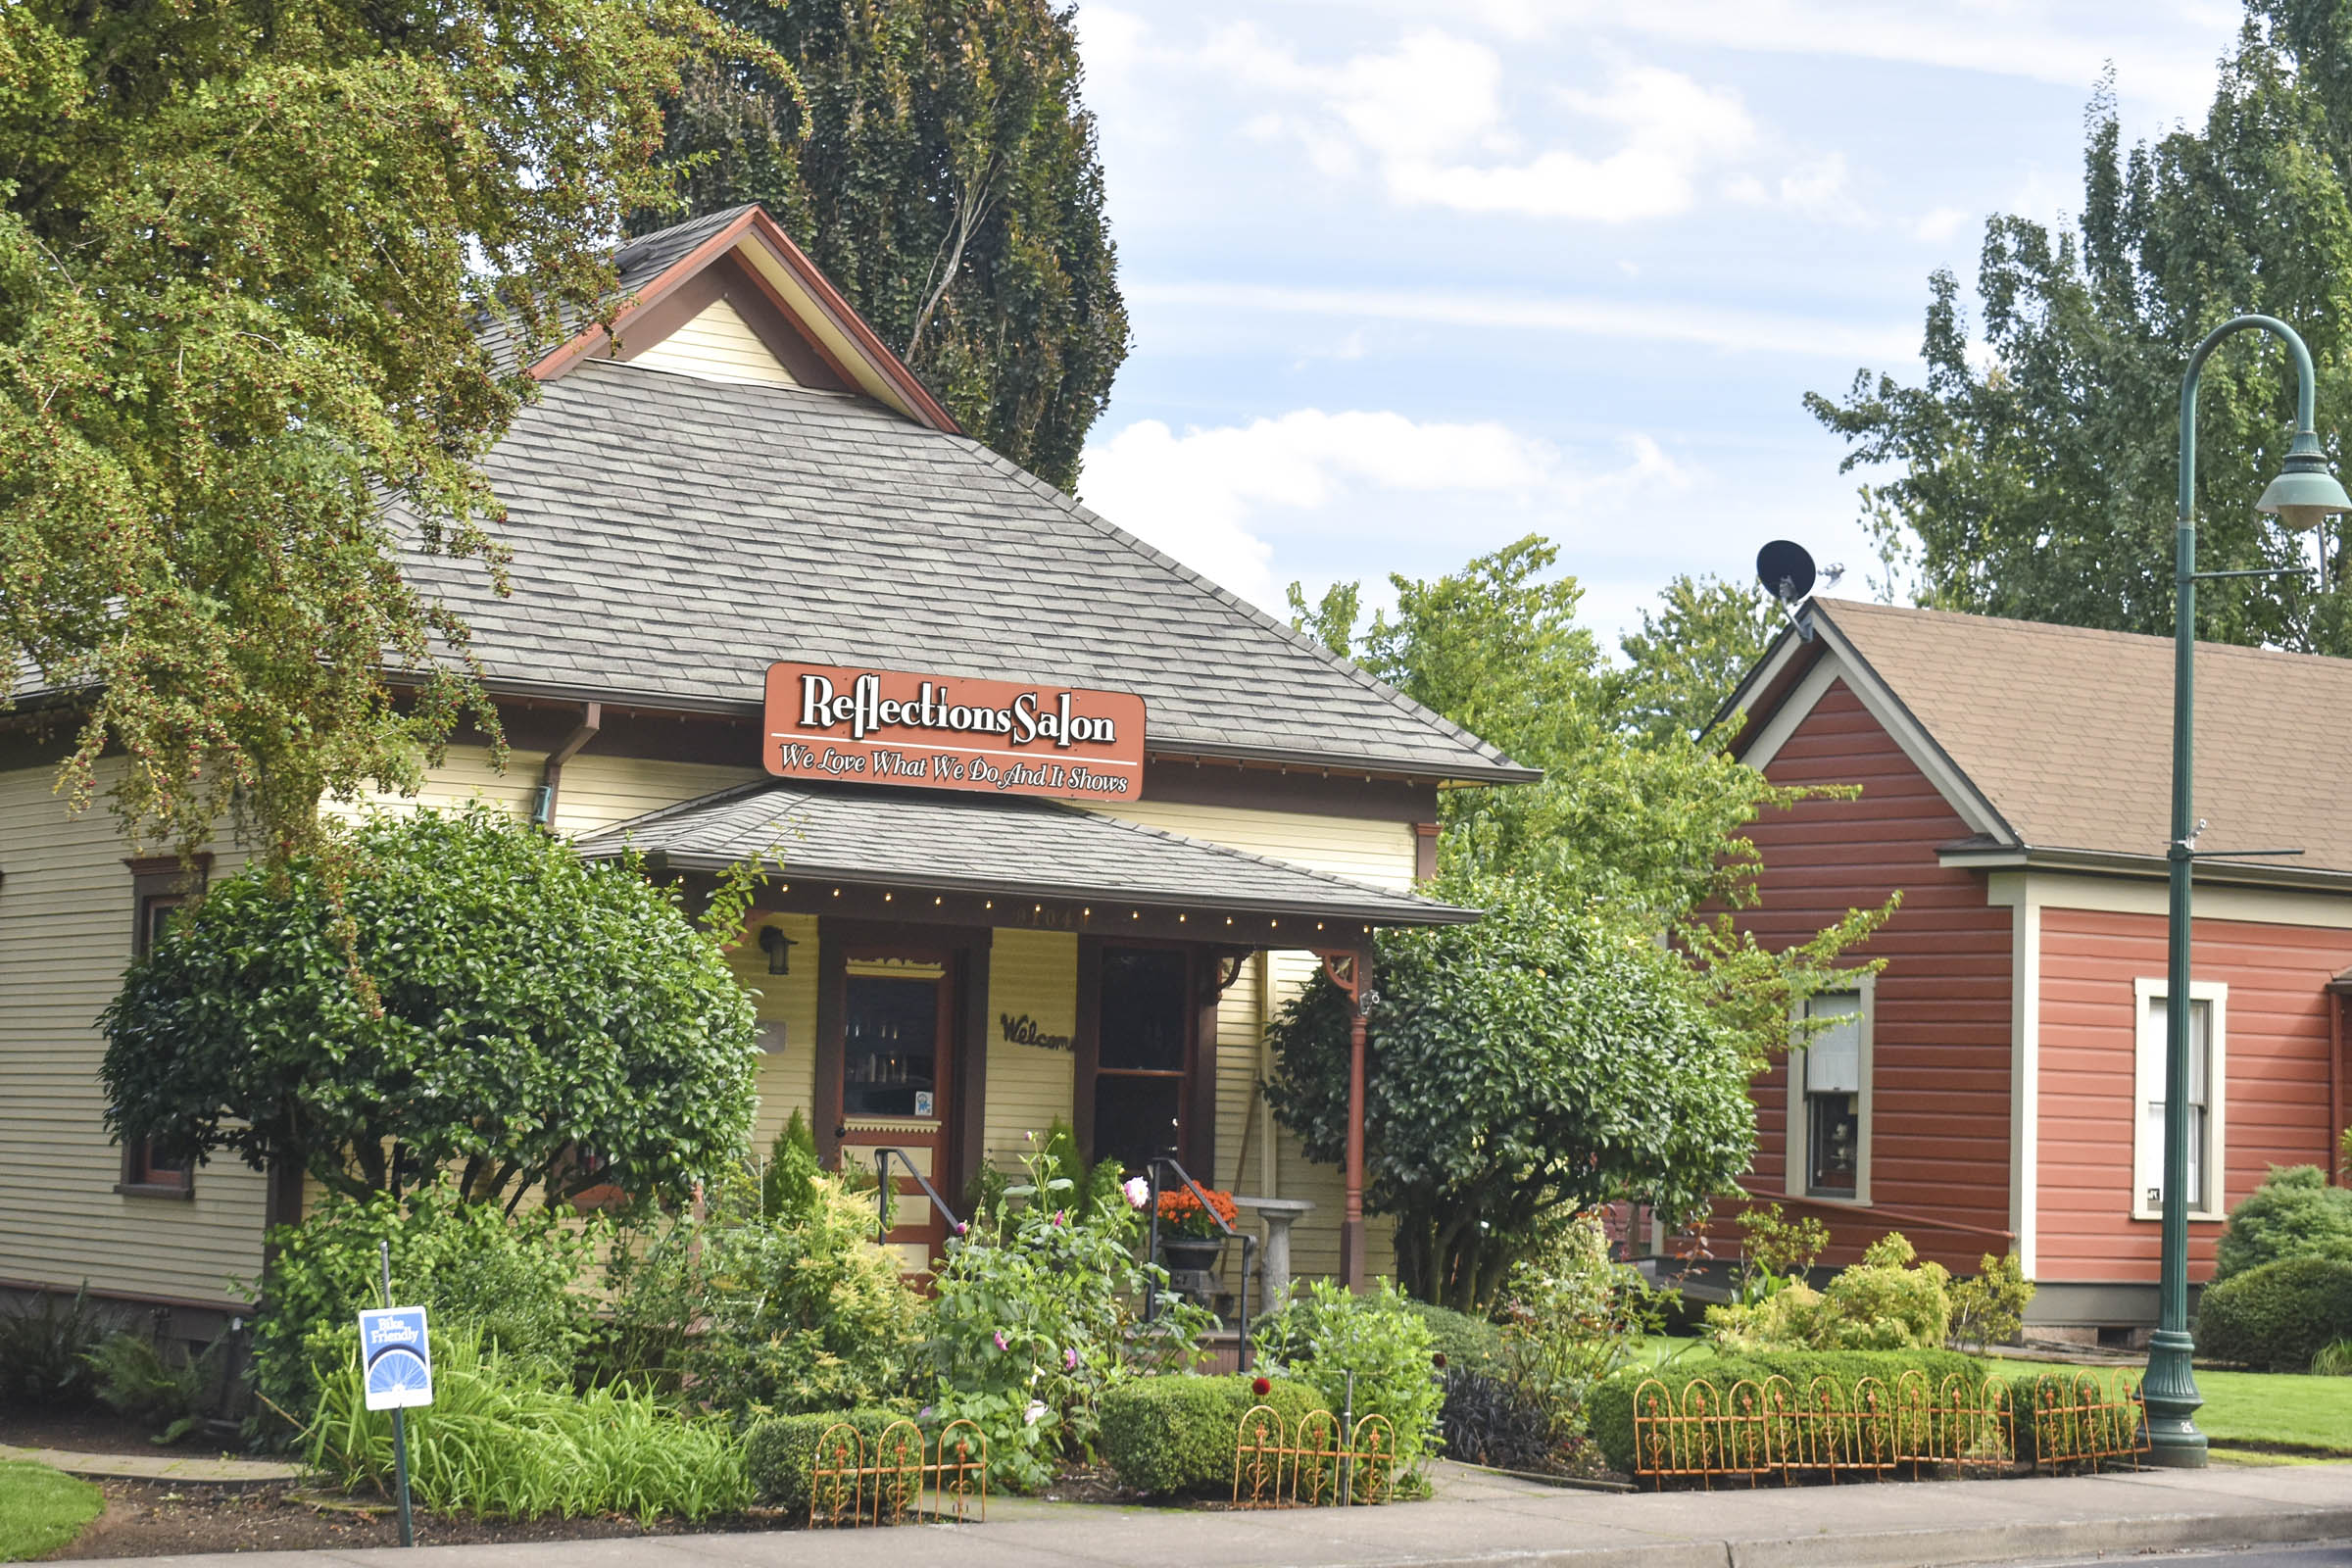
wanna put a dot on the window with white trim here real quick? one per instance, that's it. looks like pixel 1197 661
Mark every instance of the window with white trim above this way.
pixel 1828 1096
pixel 2208 1053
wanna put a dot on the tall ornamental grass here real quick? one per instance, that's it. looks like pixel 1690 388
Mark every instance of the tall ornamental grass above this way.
pixel 502 1442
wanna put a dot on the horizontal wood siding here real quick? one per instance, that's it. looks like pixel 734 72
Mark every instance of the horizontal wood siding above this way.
pixel 1033 973
pixel 2275 1100
pixel 717 345
pixel 1380 854
pixel 64 938
pixel 1939 1125
pixel 786 1005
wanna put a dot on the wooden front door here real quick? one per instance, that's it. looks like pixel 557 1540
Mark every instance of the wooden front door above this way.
pixel 898 1029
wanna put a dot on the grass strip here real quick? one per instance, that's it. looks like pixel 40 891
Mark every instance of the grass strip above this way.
pixel 42 1510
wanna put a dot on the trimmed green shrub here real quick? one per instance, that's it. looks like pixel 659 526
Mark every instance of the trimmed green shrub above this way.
pixel 1177 1433
pixel 778 1453
pixel 2294 1214
pixel 1887 1301
pixel 1990 1309
pixel 1610 1409
pixel 2277 1317
pixel 1468 1343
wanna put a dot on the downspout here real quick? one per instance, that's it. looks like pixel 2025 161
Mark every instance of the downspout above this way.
pixel 551 772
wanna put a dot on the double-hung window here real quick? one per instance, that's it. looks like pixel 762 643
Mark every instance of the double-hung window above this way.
pixel 1828 1096
pixel 2208 1039
pixel 158 887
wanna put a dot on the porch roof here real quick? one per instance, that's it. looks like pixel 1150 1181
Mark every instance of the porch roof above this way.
pixel 990 843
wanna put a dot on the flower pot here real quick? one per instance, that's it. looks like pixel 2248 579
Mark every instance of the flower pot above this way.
pixel 1190 1254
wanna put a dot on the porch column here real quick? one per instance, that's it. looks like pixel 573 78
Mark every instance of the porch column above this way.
pixel 1348 971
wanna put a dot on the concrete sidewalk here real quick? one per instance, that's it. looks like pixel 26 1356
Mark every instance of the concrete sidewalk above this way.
pixel 185 1469
pixel 1478 1520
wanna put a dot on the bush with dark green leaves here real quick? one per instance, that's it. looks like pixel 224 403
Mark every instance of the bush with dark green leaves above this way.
pixel 1168 1435
pixel 1610 1409
pixel 167 1386
pixel 779 1451
pixel 1366 1355
pixel 1538 1064
pixel 2294 1214
pixel 2277 1317
pixel 1468 1343
pixel 439 992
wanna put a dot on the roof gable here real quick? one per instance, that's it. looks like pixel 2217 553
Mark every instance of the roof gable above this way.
pixel 2064 733
pixel 769 282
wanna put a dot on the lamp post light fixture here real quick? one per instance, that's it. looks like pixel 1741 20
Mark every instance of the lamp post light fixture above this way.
pixel 2302 497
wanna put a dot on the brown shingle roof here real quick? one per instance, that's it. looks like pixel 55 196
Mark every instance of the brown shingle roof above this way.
pixel 2067 731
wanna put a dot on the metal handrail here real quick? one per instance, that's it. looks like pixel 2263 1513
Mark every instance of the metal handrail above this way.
pixel 1151 1170
pixel 882 1158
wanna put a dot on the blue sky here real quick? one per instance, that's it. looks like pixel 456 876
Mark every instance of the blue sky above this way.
pixel 1409 281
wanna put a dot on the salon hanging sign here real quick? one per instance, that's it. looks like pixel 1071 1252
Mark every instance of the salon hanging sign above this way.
pixel 867 727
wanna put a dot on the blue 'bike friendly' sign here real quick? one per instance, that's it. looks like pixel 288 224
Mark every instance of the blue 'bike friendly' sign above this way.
pixel 397 1356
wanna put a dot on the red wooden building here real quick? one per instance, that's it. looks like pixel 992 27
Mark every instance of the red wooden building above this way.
pixel 1999 1081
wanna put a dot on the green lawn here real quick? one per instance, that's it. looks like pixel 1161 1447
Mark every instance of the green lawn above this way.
pixel 2262 1408
pixel 41 1510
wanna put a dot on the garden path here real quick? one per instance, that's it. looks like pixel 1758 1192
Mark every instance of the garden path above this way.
pixel 188 1469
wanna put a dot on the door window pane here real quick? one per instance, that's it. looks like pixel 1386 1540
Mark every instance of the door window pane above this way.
pixel 889 1046
pixel 1136 1117
pixel 1142 1009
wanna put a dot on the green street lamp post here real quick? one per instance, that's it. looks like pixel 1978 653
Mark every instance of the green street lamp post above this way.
pixel 2302 495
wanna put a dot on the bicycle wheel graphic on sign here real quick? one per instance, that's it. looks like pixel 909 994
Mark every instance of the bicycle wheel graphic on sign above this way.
pixel 398 1357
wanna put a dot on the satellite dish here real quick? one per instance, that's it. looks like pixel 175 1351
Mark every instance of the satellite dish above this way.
pixel 1786 570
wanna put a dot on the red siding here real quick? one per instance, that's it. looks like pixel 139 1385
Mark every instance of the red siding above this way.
pixel 1939 1134
pixel 2275 1100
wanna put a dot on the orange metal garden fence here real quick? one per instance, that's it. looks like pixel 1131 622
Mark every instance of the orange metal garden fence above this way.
pixel 1314 1465
pixel 896 1480
pixel 1772 1430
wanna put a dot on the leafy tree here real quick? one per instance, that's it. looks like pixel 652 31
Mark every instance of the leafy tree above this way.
pixel 1633 833
pixel 1537 1063
pixel 500 1006
pixel 934 158
pixel 2037 471
pixel 242 246
pixel 1688 657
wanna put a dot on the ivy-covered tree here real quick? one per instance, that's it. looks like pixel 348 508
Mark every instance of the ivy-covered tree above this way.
pixel 934 158
pixel 1534 1064
pixel 243 246
pixel 473 997
pixel 2036 464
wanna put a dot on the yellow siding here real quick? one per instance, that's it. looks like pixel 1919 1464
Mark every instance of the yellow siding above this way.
pixel 717 345
pixel 64 938
pixel 597 791
pixel 1378 853
pixel 1032 972
pixel 787 1008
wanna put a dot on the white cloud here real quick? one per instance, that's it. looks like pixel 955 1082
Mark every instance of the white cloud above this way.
pixel 1940 224
pixel 2031 39
pixel 1428 118
pixel 1203 495
pixel 1649 320
pixel 1816 190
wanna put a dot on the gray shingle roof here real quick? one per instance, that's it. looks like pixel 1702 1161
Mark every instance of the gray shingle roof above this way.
pixel 672 536
pixel 970 843
pixel 2067 731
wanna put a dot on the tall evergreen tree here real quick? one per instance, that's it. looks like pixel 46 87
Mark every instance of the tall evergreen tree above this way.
pixel 934 158
pixel 2037 471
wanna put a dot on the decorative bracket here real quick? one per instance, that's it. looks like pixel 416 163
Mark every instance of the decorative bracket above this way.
pixel 1344 970
pixel 1228 968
